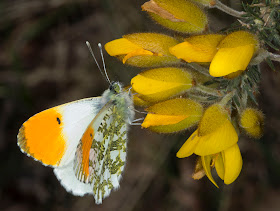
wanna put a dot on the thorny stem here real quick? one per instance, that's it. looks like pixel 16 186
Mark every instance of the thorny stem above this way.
pixel 227 98
pixel 262 55
pixel 217 4
pixel 274 57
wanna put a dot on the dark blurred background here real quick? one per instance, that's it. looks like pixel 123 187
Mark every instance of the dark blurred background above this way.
pixel 44 62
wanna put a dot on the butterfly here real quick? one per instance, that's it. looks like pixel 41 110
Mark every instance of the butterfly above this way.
pixel 85 141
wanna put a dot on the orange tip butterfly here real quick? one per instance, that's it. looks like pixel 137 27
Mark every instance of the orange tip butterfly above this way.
pixel 84 141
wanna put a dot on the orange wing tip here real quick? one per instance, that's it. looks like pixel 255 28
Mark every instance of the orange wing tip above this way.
pixel 23 145
pixel 42 137
pixel 24 148
pixel 22 140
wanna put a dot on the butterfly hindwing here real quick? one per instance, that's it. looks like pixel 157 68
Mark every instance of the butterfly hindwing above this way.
pixel 106 156
pixel 52 135
pixel 68 180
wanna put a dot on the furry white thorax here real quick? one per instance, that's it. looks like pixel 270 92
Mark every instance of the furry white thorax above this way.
pixel 122 99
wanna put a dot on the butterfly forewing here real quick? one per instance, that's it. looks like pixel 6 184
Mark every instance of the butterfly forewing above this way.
pixel 52 135
pixel 105 152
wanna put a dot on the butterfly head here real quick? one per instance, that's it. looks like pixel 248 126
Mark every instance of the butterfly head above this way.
pixel 120 98
pixel 115 87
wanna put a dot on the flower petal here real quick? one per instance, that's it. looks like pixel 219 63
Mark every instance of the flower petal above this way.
pixel 179 15
pixel 213 118
pixel 158 119
pixel 201 48
pixel 143 49
pixel 189 146
pixel 206 160
pixel 138 52
pixel 172 115
pixel 234 54
pixel 232 164
pixel 231 60
pixel 162 83
pixel 121 46
pixel 154 42
pixel 217 141
pixel 219 165
pixel 199 171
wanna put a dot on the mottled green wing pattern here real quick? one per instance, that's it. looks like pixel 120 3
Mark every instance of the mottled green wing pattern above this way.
pixel 106 154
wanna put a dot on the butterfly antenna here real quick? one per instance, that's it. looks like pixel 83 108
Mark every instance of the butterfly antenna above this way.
pixel 92 54
pixel 103 62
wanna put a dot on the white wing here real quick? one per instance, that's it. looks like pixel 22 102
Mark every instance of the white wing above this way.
pixel 69 181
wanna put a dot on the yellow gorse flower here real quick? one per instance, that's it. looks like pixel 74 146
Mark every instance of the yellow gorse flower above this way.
pixel 173 115
pixel 161 83
pixel 143 49
pixel 215 133
pixel 235 52
pixel 179 15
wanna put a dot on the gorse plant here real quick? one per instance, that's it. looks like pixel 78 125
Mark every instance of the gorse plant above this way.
pixel 203 78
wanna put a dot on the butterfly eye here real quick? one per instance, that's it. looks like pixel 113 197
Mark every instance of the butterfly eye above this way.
pixel 115 87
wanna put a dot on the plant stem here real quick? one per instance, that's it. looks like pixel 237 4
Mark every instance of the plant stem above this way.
pixel 200 99
pixel 274 57
pixel 207 90
pixel 219 5
pixel 227 98
pixel 200 69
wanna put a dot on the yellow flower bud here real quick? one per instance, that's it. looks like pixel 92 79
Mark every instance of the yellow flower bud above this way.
pixel 235 52
pixel 179 15
pixel 200 48
pixel 252 122
pixel 143 49
pixel 172 115
pixel 215 133
pixel 161 83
